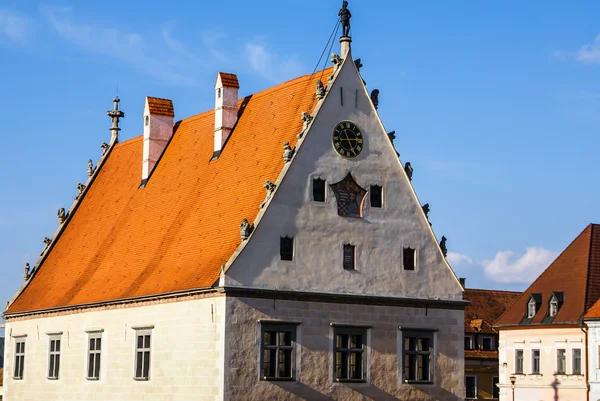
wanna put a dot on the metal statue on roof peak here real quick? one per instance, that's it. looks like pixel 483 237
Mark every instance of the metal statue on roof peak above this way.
pixel 115 114
pixel 345 16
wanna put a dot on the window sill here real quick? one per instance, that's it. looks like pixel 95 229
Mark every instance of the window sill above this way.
pixel 52 378
pixel 17 378
pixel 141 379
pixel 429 382
pixel 278 379
pixel 350 380
pixel 92 378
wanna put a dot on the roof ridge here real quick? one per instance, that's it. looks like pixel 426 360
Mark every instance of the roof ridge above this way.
pixel 490 290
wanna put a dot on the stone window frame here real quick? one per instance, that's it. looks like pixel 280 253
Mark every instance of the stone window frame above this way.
pixel 573 358
pixel 345 246
pixel 279 326
pixel 19 357
pixel 416 260
pixel 281 248
pixel 535 371
pixel 94 354
pixel 145 351
pixel 422 333
pixel 312 189
pixel 474 388
pixel 350 329
pixel 54 355
pixel 381 196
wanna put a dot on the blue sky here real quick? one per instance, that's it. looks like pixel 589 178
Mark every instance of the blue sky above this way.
pixel 497 106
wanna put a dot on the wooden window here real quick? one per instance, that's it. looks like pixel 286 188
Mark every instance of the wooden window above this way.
pixel 94 355
pixel 561 361
pixel 54 357
pixel 576 361
pixel 286 248
pixel 349 354
pixel 471 387
pixel 535 361
pixel 349 262
pixel 418 354
pixel 487 343
pixel 468 342
pixel 519 361
pixel 318 190
pixel 142 354
pixel 408 259
pixel 19 358
pixel 376 196
pixel 277 351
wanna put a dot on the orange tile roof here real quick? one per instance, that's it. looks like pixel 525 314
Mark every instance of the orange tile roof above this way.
pixel 575 273
pixel 161 107
pixel 486 306
pixel 229 80
pixel 176 232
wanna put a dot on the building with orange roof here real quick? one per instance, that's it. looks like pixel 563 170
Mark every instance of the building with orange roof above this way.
pixel 544 349
pixel 272 248
pixel 481 340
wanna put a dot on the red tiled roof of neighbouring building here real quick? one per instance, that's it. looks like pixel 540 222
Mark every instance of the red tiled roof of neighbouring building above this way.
pixel 575 274
pixel 161 107
pixel 485 308
pixel 480 354
pixel 175 233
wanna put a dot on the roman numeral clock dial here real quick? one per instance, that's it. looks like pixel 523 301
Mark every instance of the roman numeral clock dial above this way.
pixel 347 139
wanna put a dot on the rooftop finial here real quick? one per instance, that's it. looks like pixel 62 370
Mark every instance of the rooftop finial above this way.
pixel 345 40
pixel 115 114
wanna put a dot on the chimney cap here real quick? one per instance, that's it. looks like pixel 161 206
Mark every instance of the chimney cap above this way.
pixel 227 80
pixel 160 107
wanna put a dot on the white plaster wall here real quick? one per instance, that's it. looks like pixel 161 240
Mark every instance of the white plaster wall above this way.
pixel 593 360
pixel 542 387
pixel 315 357
pixel 186 361
pixel 320 232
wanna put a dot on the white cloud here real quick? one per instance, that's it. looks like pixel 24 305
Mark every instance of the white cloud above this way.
pixel 269 65
pixel 458 259
pixel 210 39
pixel 15 27
pixel 507 267
pixel 590 53
pixel 168 60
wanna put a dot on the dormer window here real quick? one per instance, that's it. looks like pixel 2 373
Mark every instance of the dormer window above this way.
pixel 553 306
pixel 531 308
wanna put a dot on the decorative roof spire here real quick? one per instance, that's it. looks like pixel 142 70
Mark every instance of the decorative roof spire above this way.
pixel 345 39
pixel 115 114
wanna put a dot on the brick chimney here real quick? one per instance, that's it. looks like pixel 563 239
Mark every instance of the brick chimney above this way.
pixel 226 110
pixel 158 130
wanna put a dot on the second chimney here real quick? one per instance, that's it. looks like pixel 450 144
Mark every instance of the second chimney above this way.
pixel 226 110
pixel 158 130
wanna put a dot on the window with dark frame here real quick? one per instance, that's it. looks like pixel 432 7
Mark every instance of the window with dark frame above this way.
pixel 418 353
pixel 376 195
pixel 19 358
pixel 349 262
pixel 408 258
pixel 519 361
pixel 349 353
pixel 286 248
pixel 54 358
pixel 561 361
pixel 142 354
pixel 486 343
pixel 576 361
pixel 94 355
pixel 468 342
pixel 318 190
pixel 278 343
pixel 471 387
pixel 535 362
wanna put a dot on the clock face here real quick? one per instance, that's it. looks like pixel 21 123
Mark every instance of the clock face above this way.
pixel 347 139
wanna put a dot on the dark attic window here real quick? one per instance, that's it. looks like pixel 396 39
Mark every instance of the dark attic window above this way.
pixel 349 257
pixel 286 248
pixel 408 259
pixel 376 196
pixel 318 190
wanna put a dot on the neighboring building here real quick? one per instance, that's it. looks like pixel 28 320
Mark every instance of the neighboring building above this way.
pixel 542 336
pixel 592 321
pixel 481 340
pixel 270 249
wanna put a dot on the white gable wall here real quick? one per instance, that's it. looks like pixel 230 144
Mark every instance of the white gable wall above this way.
pixel 319 232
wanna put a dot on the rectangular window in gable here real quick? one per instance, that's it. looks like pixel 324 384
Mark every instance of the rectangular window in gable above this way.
pixel 286 248
pixel 318 190
pixel 349 262
pixel 19 358
pixel 376 195
pixel 408 259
